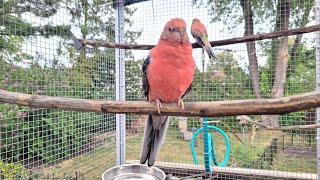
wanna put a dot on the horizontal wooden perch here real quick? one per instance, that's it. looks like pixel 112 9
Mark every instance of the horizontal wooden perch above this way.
pixel 201 109
pixel 213 43
pixel 247 119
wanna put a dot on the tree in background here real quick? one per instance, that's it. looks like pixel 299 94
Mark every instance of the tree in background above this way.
pixel 39 136
pixel 223 79
pixel 254 13
pixel 96 21
pixel 14 29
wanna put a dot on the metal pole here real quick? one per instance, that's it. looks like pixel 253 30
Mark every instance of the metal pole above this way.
pixel 317 40
pixel 120 84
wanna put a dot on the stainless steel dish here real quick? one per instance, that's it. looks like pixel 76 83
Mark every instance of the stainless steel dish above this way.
pixel 133 171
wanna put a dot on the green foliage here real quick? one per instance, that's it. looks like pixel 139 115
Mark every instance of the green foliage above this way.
pixel 248 157
pixel 46 135
pixel 264 12
pixel 97 21
pixel 11 121
pixel 9 171
pixel 300 75
pixel 14 28
pixel 223 79
pixel 134 80
pixel 300 118
pixel 53 136
pixel 41 8
pixel 300 72
pixel 300 79
pixel 102 72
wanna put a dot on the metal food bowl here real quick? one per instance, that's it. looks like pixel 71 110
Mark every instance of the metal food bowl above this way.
pixel 133 171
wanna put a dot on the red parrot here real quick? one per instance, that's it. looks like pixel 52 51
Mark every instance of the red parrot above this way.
pixel 199 33
pixel 167 76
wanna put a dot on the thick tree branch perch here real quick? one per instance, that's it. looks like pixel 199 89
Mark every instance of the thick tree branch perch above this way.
pixel 204 109
pixel 247 120
pixel 249 38
pixel 296 127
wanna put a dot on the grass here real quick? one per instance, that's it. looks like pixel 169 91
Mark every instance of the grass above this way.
pixel 93 164
pixel 287 162
pixel 171 151
pixel 177 150
pixel 295 164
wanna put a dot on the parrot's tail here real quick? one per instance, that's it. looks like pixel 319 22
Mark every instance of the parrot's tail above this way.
pixel 209 50
pixel 154 133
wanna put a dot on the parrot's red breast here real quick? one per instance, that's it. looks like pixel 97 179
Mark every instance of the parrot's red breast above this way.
pixel 170 72
pixel 171 69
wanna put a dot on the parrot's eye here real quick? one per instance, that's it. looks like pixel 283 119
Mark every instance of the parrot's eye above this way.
pixel 171 29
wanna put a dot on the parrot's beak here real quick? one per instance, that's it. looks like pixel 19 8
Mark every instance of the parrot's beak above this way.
pixel 181 32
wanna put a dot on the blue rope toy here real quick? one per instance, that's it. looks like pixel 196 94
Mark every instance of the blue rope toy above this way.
pixel 209 154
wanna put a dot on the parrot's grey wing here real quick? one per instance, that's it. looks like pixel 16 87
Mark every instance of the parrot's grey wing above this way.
pixel 145 83
pixel 197 38
pixel 199 41
pixel 187 91
pixel 208 48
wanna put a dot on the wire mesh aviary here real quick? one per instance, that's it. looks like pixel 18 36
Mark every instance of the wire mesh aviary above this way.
pixel 72 112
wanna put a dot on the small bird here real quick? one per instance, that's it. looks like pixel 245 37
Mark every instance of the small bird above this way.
pixel 168 74
pixel 199 33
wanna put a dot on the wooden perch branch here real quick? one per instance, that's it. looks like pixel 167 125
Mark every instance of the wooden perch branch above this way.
pixel 289 32
pixel 203 109
pixel 282 128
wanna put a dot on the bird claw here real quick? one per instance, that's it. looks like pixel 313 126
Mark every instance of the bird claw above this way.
pixel 181 103
pixel 159 106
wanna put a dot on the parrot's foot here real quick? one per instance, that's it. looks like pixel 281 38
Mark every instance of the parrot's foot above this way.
pixel 159 106
pixel 181 103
